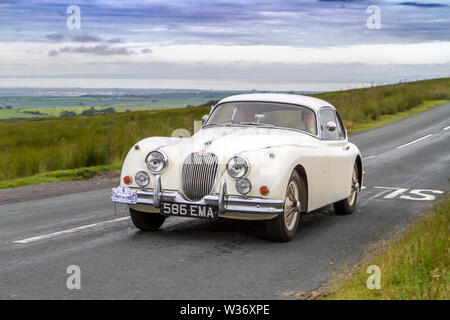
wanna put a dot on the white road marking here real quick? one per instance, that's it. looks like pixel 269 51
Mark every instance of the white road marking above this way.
pixel 421 193
pixel 446 128
pixel 54 234
pixel 390 188
pixel 368 157
pixel 417 140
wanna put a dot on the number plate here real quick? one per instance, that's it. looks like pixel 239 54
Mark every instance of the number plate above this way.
pixel 124 195
pixel 188 210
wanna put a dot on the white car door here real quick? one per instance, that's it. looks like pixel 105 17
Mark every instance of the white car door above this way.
pixel 336 145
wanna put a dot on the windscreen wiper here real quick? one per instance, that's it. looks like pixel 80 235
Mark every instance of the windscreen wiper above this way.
pixel 258 124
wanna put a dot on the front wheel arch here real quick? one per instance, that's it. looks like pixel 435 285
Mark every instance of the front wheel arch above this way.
pixel 304 195
pixel 358 162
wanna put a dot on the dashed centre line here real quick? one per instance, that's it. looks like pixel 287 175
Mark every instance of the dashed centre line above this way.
pixel 368 157
pixel 417 140
pixel 54 234
pixel 446 128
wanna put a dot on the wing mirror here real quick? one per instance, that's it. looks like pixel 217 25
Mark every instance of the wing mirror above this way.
pixel 330 126
pixel 204 118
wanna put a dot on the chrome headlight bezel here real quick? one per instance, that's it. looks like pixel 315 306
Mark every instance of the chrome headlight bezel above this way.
pixel 246 164
pixel 240 189
pixel 164 160
pixel 137 180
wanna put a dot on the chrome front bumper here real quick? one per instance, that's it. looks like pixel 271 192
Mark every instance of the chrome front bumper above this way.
pixel 223 201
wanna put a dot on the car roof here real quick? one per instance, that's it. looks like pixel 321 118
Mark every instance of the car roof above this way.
pixel 302 100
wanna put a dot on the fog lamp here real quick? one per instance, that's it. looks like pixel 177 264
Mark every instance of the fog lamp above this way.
pixel 243 186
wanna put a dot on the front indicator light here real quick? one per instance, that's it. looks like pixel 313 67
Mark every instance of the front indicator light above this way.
pixel 127 180
pixel 264 190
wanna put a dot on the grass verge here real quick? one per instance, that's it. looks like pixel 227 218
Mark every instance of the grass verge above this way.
pixel 59 175
pixel 389 118
pixel 413 267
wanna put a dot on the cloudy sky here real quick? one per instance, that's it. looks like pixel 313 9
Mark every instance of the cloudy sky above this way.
pixel 232 44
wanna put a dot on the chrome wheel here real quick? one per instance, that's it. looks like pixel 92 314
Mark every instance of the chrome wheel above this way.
pixel 355 187
pixel 291 205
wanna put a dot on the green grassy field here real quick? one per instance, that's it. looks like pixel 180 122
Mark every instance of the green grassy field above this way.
pixel 389 118
pixel 362 106
pixel 6 114
pixel 56 111
pixel 11 114
pixel 35 146
pixel 35 102
pixel 29 147
pixel 53 106
pixel 414 267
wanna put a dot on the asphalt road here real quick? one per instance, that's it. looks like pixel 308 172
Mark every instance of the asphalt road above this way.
pixel 196 259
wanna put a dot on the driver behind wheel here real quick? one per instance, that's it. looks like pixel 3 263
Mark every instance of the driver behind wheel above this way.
pixel 309 120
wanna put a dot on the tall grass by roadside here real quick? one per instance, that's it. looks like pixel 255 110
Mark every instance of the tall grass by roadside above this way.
pixel 28 147
pixel 415 267
pixel 59 175
pixel 368 104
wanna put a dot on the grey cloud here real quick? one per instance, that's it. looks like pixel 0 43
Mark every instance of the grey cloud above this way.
pixel 422 5
pixel 52 53
pixel 173 26
pixel 269 73
pixel 86 38
pixel 98 50
pixel 242 75
pixel 146 51
pixel 55 37
pixel 115 40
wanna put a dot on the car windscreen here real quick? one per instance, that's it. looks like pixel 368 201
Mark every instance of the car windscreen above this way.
pixel 264 113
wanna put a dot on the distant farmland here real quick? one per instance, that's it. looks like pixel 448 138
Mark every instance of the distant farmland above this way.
pixel 38 107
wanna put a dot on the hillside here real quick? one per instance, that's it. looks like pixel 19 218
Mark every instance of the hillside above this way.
pixel 34 146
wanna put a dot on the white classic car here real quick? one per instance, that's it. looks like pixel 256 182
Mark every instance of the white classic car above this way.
pixel 270 157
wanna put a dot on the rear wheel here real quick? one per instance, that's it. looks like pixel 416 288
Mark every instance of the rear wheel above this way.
pixel 347 205
pixel 284 226
pixel 146 221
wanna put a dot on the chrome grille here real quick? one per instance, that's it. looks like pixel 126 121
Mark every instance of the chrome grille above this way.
pixel 199 174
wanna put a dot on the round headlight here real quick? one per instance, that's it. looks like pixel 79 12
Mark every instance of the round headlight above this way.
pixel 156 161
pixel 243 186
pixel 237 167
pixel 142 179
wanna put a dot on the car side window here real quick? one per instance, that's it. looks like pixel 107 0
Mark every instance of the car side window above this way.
pixel 327 115
pixel 340 127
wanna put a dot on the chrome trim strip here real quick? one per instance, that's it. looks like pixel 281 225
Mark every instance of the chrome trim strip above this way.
pixel 230 203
